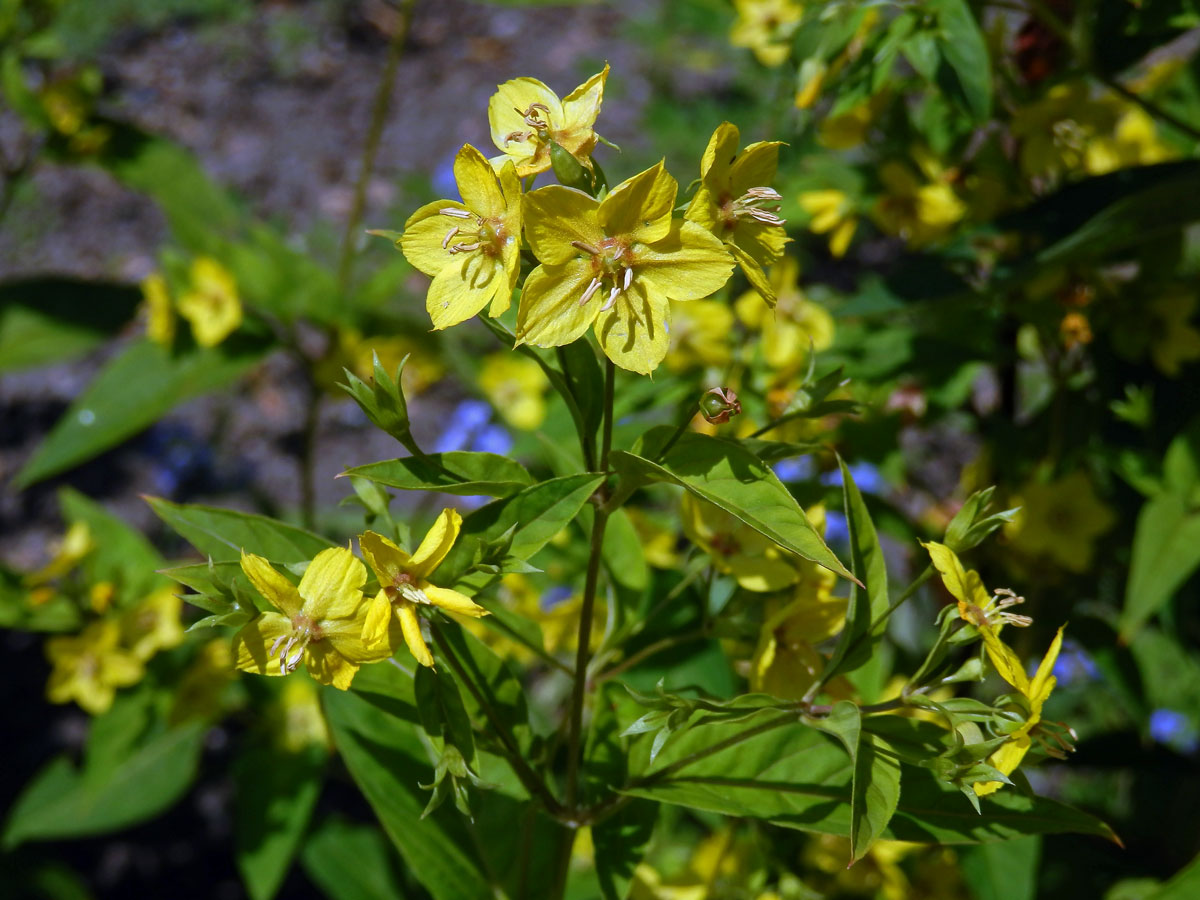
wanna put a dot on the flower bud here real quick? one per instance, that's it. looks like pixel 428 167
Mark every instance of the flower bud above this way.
pixel 719 405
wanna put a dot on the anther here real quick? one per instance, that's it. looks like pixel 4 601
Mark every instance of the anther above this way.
pixel 764 193
pixel 612 298
pixel 518 136
pixel 764 216
pixel 591 290
pixel 585 247
pixel 456 213
pixel 466 248
pixel 449 236
pixel 628 279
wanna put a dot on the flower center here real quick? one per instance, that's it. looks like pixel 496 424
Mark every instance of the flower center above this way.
pixel 305 631
pixel 758 203
pixel 537 118
pixel 487 237
pixel 406 586
pixel 612 260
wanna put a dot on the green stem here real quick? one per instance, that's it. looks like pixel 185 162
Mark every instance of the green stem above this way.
pixel 899 601
pixel 308 453
pixel 587 442
pixel 379 111
pixel 646 652
pixel 610 377
pixel 529 778
pixel 679 430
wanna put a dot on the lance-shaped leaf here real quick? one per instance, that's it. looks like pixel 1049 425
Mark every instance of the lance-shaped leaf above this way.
pixel 458 472
pixel 731 477
pixel 222 534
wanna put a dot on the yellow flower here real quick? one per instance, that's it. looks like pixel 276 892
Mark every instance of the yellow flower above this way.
pixel 1134 142
pixel 472 249
pixel 516 386
pixel 735 203
pixel 700 333
pixel 786 661
pixel 90 666
pixel 917 211
pixel 657 537
pixel 975 604
pixel 1034 691
pixel 404 585
pixel 153 624
pixel 319 622
pixel 296 718
pixel 526 117
pixel 211 304
pixel 758 563
pixel 878 874
pixel 832 213
pixel 766 26
pixel 198 694
pixel 629 243
pixel 69 552
pixel 796 324
pixel 1061 519
pixel 849 129
pixel 160 314
pixel 1174 339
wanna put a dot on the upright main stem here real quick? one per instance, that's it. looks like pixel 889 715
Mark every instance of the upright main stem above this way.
pixel 582 655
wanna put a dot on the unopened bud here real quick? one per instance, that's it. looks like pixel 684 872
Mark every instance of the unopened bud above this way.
pixel 719 405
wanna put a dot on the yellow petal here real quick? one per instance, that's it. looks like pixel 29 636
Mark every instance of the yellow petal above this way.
pixel 506 110
pixel 1043 681
pixel 634 332
pixel 839 241
pixel 754 167
pixel 554 217
pixel 1007 663
pixel 278 590
pixel 581 108
pixel 477 183
pixel 410 625
pixel 761 573
pixel 969 591
pixel 705 211
pixel 640 206
pixel 327 666
pixel 754 274
pixel 763 242
pixel 386 560
pixel 462 289
pixel 379 615
pixel 436 545
pixel 551 314
pixel 719 156
pixel 211 305
pixel 253 643
pixel 424 233
pixel 331 586
pixel 453 601
pixel 688 263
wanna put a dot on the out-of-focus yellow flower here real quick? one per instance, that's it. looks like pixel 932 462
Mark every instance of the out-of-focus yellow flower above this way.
pixel 811 80
pixel 1061 520
pixel 832 213
pixel 516 386
pixel 700 334
pixel 211 303
pixel 160 314
pixel 100 596
pixel 472 249
pixel 849 129
pixel 786 661
pixel 68 553
pixel 766 27
pixel 719 861
pixel 736 203
pixel 404 585
pixel 876 874
pixel 1133 142
pixel 296 718
pixel 793 326
pixel 920 211
pixel 319 622
pixel 198 694
pixel 90 666
pixel 615 263
pixel 357 353
pixel 736 549
pixel 1034 693
pixel 1174 340
pixel 658 541
pixel 153 624
pixel 526 117
pixel 1075 330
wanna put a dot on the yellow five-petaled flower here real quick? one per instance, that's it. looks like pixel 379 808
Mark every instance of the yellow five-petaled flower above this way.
pixel 404 585
pixel 615 263
pixel 472 249
pixel 526 117
pixel 319 622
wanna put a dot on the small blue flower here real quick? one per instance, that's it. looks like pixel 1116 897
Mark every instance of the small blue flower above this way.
pixel 492 439
pixel 837 530
pixel 866 478
pixel 443 181
pixel 1074 665
pixel 1174 730
pixel 799 468
pixel 466 420
pixel 560 593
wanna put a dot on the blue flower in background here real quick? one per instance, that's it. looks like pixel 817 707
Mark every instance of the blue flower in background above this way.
pixel 837 530
pixel 558 594
pixel 1074 665
pixel 493 439
pixel 1174 730
pixel 798 469
pixel 866 478
pixel 443 181
pixel 179 458
pixel 465 422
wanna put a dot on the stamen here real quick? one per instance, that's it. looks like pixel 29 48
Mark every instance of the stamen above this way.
pixel 517 136
pixel 275 646
pixel 295 658
pixel 628 279
pixel 612 298
pixel 456 213
pixel 449 236
pixel 586 248
pixel 764 193
pixel 466 248
pixel 591 289
pixel 763 215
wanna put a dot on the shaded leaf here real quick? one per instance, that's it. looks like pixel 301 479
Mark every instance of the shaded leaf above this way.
pixel 458 472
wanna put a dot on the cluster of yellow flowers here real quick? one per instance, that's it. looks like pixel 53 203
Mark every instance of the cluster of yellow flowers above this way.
pixel 210 304
pixel 331 625
pixel 612 262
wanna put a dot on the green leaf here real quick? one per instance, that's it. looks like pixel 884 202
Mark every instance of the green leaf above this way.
pixel 62 802
pixel 1166 550
pixel 276 793
pixel 440 706
pixel 222 534
pixel 457 472
pixel 132 391
pixel 351 862
pixel 122 555
pixel 387 760
pixel 46 320
pixel 966 72
pixel 492 677
pixel 1004 870
pixel 1184 886
pixel 733 478
pixel 866 605
pixel 383 402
